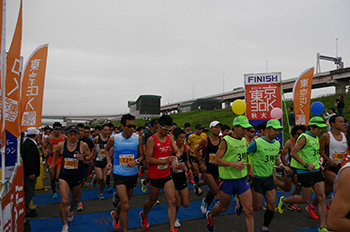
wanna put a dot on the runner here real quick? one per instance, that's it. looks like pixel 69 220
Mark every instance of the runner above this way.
pixel 193 142
pixel 128 153
pixel 305 156
pixel 333 146
pixel 100 161
pixel 232 161
pixel 179 174
pixel 208 147
pixel 187 127
pixel 339 214
pixel 286 159
pixel 264 151
pixel 85 164
pixel 249 136
pixel 73 153
pixel 159 158
pixel 50 146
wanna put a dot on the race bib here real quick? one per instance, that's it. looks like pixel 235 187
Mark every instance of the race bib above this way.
pixel 54 147
pixel 162 166
pixel 179 170
pixel 338 157
pixel 211 158
pixel 125 159
pixel 101 155
pixel 71 163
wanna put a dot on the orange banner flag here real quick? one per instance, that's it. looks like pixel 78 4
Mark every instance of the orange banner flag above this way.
pixel 13 80
pixel 302 96
pixel 33 88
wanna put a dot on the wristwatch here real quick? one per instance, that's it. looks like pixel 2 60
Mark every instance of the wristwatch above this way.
pixel 306 165
pixel 137 161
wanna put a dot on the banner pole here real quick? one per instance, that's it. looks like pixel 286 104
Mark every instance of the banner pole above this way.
pixel 286 110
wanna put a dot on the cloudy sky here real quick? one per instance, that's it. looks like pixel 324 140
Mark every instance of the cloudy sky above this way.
pixel 104 53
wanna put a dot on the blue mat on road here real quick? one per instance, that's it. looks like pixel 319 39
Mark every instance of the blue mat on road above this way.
pixel 46 198
pixel 103 221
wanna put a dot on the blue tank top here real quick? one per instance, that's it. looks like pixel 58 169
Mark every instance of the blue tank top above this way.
pixel 125 150
pixel 70 165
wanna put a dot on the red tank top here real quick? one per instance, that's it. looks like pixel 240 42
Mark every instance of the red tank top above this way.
pixel 161 150
pixel 54 142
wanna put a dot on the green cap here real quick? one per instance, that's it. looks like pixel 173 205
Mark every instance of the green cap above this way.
pixel 317 121
pixel 241 121
pixel 274 123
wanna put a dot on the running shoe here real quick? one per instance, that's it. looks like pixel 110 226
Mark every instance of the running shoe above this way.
pixel 65 228
pixel 177 223
pixel 85 185
pixel 109 189
pixel 312 212
pixel 281 205
pixel 116 200
pixel 210 222
pixel 191 181
pixel 80 207
pixel 93 182
pixel 204 206
pixel 238 208
pixel 100 196
pixel 144 186
pixel 116 224
pixel 293 207
pixel 197 191
pixel 70 215
pixel 54 195
pixel 144 221
pixel 157 203
pixel 324 229
pixel 174 230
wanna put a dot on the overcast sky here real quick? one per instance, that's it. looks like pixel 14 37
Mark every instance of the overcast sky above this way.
pixel 104 53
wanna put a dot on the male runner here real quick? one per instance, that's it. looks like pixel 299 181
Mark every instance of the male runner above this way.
pixel 339 214
pixel 305 156
pixel 73 153
pixel 50 144
pixel 333 146
pixel 286 159
pixel 209 147
pixel 100 161
pixel 264 151
pixel 85 164
pixel 193 141
pixel 128 153
pixel 158 156
pixel 232 161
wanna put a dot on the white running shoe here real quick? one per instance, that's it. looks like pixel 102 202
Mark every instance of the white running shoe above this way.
pixel 80 207
pixel 177 223
pixel 204 207
pixel 65 228
pixel 70 215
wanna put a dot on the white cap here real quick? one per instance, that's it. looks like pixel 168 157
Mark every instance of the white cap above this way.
pixel 214 124
pixel 32 131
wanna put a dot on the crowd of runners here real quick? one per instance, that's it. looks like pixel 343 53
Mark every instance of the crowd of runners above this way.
pixel 238 160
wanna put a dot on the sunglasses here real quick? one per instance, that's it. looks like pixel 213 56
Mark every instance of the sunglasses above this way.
pixel 164 128
pixel 252 131
pixel 58 129
pixel 131 126
pixel 298 133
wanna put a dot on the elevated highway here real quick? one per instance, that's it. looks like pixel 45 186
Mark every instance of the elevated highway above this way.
pixel 339 78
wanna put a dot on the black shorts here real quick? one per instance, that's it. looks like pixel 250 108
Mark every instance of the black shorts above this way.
pixel 193 159
pixel 72 181
pixel 213 170
pixel 159 182
pixel 307 180
pixel 180 181
pixel 100 164
pixel 330 168
pixel 84 170
pixel 263 185
pixel 129 181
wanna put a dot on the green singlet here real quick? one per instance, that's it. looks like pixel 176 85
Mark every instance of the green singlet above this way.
pixel 309 153
pixel 265 156
pixel 236 151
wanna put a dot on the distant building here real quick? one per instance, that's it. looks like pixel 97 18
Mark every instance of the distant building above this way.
pixel 145 106
pixel 201 104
